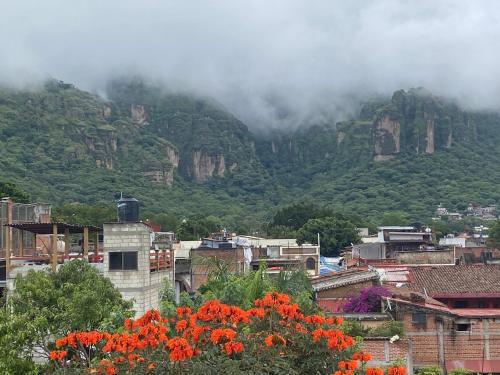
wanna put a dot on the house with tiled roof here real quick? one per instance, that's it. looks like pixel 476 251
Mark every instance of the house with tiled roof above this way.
pixel 333 291
pixel 459 287
pixel 451 316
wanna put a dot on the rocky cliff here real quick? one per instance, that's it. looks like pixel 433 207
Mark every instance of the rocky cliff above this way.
pixel 63 144
pixel 419 122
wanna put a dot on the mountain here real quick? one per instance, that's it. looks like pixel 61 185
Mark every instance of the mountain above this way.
pixel 187 155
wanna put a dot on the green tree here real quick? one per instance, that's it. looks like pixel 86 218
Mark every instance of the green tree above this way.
pixel 167 222
pixel 296 215
pixel 334 234
pixel 494 235
pixel 196 227
pixel 166 298
pixel 46 304
pixel 395 218
pixel 8 189
pixel 84 214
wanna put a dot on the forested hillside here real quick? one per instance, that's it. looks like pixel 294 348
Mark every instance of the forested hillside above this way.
pixel 185 155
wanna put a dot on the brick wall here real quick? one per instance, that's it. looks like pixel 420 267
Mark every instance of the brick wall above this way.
pixel 482 340
pixel 426 257
pixel 384 352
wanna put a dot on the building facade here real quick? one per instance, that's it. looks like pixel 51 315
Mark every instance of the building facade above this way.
pixel 133 265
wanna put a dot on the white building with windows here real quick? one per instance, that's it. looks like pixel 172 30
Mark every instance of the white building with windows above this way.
pixel 134 264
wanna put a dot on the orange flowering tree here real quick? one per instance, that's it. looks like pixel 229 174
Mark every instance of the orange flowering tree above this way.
pixel 273 337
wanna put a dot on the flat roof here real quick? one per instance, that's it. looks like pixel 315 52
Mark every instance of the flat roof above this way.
pixel 396 228
pixel 47 228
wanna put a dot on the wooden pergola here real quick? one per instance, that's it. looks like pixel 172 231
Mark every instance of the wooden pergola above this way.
pixel 53 229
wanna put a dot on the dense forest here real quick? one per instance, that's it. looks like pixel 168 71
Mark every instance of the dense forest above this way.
pixel 184 156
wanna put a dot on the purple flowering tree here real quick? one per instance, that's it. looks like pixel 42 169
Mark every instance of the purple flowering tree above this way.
pixel 368 300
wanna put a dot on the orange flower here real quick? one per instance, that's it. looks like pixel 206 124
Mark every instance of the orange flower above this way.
pixel 347 365
pixel 127 324
pixel 257 312
pixel 221 335
pixel 366 357
pixel 181 325
pixel 315 319
pixel 61 342
pixel 300 329
pixel 233 347
pixel 396 370
pixel 180 349
pixel 57 355
pixel 274 339
pixel 374 371
pixel 183 311
pixel 316 334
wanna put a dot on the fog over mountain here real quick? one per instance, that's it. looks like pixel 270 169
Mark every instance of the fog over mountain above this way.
pixel 275 63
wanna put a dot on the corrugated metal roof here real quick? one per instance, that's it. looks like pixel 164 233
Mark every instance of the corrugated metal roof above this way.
pixel 47 228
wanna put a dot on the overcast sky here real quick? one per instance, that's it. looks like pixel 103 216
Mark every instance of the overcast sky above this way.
pixel 261 58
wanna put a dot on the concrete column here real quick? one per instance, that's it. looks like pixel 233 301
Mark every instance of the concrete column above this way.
pixel 387 351
pixel 21 243
pixel 96 244
pixel 8 243
pixel 86 243
pixel 66 242
pixel 54 247
pixel 8 238
pixel 486 338
pixel 409 357
pixel 33 240
pixel 440 334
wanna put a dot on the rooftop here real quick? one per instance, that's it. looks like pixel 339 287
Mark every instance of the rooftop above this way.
pixel 396 228
pixel 47 228
pixel 446 281
pixel 342 278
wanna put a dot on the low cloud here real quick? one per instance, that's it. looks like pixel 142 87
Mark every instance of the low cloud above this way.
pixel 278 63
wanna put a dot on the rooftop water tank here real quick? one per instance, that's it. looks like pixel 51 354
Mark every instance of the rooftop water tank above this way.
pixel 128 210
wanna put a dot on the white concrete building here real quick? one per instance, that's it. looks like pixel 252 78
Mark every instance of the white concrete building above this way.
pixel 132 264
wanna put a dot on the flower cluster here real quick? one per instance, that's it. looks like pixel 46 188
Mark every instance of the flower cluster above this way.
pixel 396 370
pixel 374 371
pixel 152 342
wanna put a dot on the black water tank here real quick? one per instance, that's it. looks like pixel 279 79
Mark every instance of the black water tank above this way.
pixel 128 210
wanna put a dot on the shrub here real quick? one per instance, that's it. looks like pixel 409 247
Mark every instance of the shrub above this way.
pixel 389 328
pixel 429 370
pixel 460 371
pixel 354 328
pixel 368 300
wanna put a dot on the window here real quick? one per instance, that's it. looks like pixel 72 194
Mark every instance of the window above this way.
pixel 310 264
pixel 460 304
pixel 462 327
pixel 418 318
pixel 123 261
pixel 481 304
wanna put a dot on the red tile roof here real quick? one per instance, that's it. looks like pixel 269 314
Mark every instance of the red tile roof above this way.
pixel 347 277
pixel 332 305
pixel 441 281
